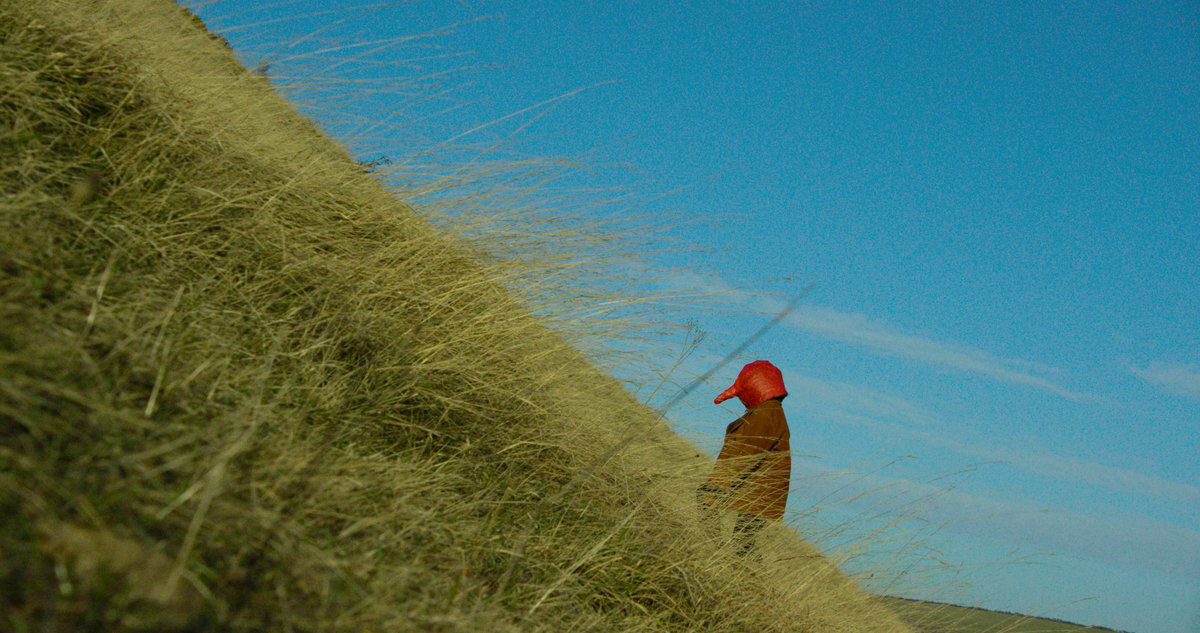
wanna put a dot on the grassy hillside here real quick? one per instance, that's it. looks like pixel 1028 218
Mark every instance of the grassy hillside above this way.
pixel 243 387
pixel 933 617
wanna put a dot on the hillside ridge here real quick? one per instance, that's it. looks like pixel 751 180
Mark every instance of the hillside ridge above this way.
pixel 929 616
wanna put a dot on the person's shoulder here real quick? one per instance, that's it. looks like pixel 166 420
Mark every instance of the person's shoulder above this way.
pixel 735 425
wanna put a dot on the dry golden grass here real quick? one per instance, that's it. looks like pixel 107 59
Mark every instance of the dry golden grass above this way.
pixel 229 352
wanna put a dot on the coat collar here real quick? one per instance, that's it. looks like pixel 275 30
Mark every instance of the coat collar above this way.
pixel 773 403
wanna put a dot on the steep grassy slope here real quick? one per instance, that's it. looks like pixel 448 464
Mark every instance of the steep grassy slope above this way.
pixel 242 387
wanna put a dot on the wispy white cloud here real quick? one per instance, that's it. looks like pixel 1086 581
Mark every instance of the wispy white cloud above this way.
pixel 1066 468
pixel 859 329
pixel 851 327
pixel 898 417
pixel 1115 538
pixel 1123 539
pixel 1178 378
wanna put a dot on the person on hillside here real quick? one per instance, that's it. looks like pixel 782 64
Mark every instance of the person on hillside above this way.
pixel 752 472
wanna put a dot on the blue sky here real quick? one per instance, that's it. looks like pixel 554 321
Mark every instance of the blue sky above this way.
pixel 999 368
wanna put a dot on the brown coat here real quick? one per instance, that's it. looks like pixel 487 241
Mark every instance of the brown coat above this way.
pixel 753 471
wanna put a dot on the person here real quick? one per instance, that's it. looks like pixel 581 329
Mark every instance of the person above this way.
pixel 753 470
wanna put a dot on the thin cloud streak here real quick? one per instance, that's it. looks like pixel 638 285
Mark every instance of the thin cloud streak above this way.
pixel 1124 539
pixel 1178 378
pixel 863 407
pixel 859 329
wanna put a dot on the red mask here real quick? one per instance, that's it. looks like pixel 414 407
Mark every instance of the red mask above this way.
pixel 756 383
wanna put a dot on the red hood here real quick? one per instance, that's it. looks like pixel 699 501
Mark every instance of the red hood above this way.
pixel 756 383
